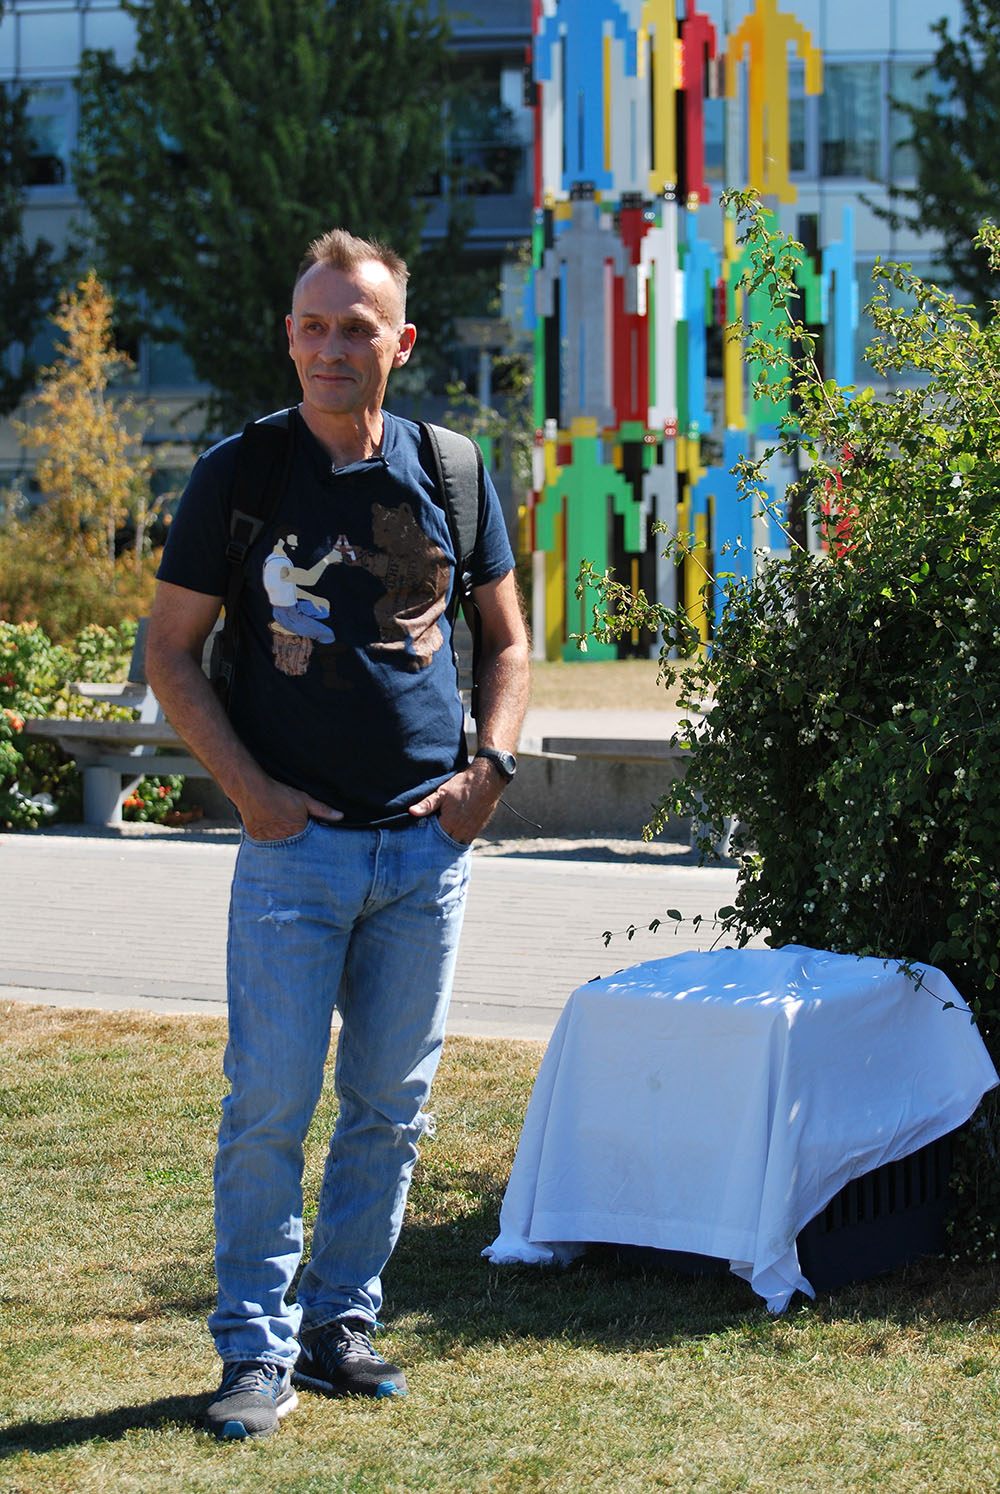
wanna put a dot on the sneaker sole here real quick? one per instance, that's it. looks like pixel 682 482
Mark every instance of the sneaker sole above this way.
pixel 235 1431
pixel 383 1391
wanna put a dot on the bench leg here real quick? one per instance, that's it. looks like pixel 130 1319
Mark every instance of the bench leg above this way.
pixel 103 795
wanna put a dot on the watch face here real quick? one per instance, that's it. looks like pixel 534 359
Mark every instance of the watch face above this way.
pixel 505 761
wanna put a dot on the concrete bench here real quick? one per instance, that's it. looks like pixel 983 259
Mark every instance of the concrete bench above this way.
pixel 113 756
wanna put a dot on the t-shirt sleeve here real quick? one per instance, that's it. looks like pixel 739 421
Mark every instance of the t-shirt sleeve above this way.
pixel 195 553
pixel 492 556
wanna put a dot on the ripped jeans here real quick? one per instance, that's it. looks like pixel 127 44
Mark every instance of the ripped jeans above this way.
pixel 366 921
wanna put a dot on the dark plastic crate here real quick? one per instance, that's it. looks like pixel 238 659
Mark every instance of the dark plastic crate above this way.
pixel 885 1219
pixel 882 1220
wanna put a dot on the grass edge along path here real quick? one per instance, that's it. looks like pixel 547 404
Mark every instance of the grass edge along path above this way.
pixel 603 1376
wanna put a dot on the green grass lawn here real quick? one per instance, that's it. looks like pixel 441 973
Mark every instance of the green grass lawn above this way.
pixel 597 1377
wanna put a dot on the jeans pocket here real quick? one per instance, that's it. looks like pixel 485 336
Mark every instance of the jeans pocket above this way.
pixel 287 840
pixel 449 840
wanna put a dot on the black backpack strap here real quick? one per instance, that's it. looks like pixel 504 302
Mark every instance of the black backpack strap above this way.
pixel 263 459
pixel 457 465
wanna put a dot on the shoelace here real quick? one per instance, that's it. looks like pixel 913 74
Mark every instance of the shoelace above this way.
pixel 253 1376
pixel 352 1343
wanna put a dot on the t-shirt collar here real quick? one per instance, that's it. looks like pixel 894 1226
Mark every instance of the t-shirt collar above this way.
pixel 319 457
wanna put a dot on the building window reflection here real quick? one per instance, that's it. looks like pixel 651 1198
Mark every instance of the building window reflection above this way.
pixel 851 119
pixel 909 83
pixel 488 134
pixel 52 123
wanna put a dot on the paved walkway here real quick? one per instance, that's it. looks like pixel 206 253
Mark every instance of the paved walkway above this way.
pixel 133 920
pixel 139 922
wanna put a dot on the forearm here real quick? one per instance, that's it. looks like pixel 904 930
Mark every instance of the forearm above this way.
pixel 193 709
pixel 503 685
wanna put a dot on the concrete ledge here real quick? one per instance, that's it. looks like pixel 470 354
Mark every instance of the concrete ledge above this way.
pixel 620 749
pixel 588 795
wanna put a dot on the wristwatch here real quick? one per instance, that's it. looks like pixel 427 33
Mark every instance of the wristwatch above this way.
pixel 504 762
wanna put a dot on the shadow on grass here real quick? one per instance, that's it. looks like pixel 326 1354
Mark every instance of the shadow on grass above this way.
pixel 102 1426
pixel 620 1300
pixel 612 1299
pixel 185 1288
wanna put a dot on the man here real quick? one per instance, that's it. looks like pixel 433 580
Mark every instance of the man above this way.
pixel 343 752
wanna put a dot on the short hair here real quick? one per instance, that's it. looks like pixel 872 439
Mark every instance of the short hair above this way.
pixel 341 250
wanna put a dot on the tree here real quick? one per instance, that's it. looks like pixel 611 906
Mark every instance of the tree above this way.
pixel 239 134
pixel 25 273
pixel 92 471
pixel 955 136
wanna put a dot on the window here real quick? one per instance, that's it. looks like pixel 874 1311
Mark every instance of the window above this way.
pixel 169 366
pixel 52 121
pixel 485 152
pixel 850 120
pixel 906 87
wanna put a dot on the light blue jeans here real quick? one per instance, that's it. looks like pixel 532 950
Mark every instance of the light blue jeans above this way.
pixel 367 921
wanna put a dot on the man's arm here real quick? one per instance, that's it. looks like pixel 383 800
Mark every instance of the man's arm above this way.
pixel 179 624
pixel 466 802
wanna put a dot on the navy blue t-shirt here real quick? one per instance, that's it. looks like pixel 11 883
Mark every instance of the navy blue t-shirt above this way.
pixel 345 682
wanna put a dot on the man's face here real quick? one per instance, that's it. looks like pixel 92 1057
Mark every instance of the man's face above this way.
pixel 345 336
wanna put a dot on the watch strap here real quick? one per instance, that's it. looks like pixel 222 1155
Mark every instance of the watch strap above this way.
pixel 504 762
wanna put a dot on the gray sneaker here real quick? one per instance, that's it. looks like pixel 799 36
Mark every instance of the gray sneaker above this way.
pixel 340 1359
pixel 251 1400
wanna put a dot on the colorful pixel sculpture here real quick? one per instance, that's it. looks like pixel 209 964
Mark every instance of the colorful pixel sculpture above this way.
pixel 631 297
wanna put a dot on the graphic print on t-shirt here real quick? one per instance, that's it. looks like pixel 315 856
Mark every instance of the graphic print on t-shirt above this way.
pixel 415 573
pixel 413 570
pixel 300 615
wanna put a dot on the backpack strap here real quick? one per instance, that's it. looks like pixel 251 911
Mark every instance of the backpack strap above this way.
pixel 457 466
pixel 263 459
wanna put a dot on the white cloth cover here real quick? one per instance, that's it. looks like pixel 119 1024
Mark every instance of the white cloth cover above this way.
pixel 715 1102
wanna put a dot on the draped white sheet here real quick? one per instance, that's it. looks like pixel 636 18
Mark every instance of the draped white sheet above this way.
pixel 715 1102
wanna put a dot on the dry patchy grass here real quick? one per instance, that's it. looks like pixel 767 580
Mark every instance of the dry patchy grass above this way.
pixel 606 684
pixel 603 1376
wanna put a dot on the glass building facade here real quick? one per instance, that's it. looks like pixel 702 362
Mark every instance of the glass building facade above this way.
pixel 846 145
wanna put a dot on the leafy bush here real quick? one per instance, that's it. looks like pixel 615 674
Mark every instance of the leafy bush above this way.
pixel 154 800
pixel 103 654
pixel 851 725
pixel 37 781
